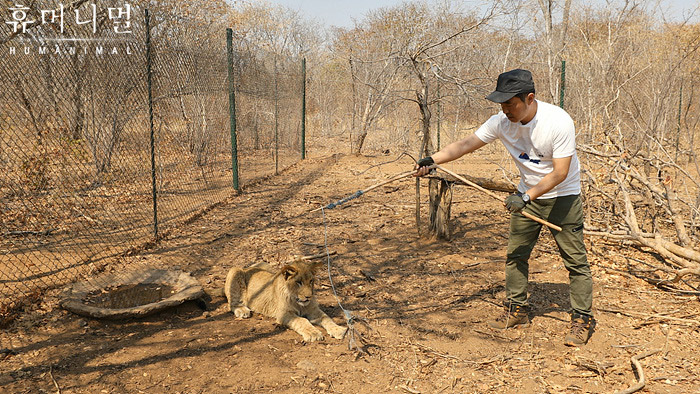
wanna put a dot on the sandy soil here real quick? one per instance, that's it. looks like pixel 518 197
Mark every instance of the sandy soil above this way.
pixel 420 306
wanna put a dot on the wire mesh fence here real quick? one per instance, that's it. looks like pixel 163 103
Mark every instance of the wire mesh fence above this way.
pixel 87 175
pixel 269 108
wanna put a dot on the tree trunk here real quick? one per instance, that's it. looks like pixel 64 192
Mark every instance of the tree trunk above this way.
pixel 425 114
pixel 554 47
pixel 367 120
pixel 357 148
pixel 440 206
pixel 354 104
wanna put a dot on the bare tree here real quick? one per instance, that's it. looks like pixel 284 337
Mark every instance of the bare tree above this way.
pixel 554 45
pixel 636 186
pixel 399 52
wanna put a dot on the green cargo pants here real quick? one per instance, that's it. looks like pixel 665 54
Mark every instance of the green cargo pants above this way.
pixel 567 213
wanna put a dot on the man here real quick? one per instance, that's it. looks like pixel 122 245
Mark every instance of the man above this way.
pixel 541 139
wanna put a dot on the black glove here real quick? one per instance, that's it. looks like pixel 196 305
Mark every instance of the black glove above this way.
pixel 515 202
pixel 426 162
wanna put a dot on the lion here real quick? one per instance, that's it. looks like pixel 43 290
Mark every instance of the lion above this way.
pixel 286 295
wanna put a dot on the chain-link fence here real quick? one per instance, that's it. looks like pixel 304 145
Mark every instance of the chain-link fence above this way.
pixel 88 173
pixel 269 108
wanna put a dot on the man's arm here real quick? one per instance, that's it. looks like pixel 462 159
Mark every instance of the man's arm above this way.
pixel 557 176
pixel 454 151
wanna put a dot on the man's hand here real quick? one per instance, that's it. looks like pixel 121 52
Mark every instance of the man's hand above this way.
pixel 422 166
pixel 515 202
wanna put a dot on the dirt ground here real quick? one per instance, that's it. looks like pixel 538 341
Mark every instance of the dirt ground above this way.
pixel 420 306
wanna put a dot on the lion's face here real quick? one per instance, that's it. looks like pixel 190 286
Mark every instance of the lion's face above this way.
pixel 299 277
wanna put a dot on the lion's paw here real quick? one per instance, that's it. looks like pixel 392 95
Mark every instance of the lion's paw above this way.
pixel 312 335
pixel 242 312
pixel 337 332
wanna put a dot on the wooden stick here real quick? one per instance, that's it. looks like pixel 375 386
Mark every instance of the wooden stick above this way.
pixel 55 383
pixel 499 198
pixel 315 256
pixel 640 372
pixel 395 178
pixel 467 182
pixel 650 316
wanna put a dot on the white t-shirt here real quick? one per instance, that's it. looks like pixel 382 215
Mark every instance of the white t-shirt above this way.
pixel 550 134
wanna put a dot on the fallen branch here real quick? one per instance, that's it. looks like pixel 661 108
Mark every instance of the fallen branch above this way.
pixel 368 276
pixel 679 275
pixel 640 372
pixel 436 353
pixel 685 253
pixel 408 389
pixel 649 316
pixel 594 366
pixel 55 383
pixel 493 335
pixel 361 192
pixel 489 184
pixel 663 284
pixel 499 198
pixel 616 235
pixel 681 256
pixel 315 256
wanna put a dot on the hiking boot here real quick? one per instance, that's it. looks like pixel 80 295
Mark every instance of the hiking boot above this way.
pixel 581 330
pixel 516 315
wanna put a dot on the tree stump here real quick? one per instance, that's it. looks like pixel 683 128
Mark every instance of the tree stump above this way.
pixel 440 192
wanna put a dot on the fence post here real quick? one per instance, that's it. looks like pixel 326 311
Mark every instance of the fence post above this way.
pixel 232 108
pixel 150 123
pixel 563 83
pixel 303 108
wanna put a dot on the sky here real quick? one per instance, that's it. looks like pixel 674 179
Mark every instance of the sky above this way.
pixel 341 12
pixel 338 13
